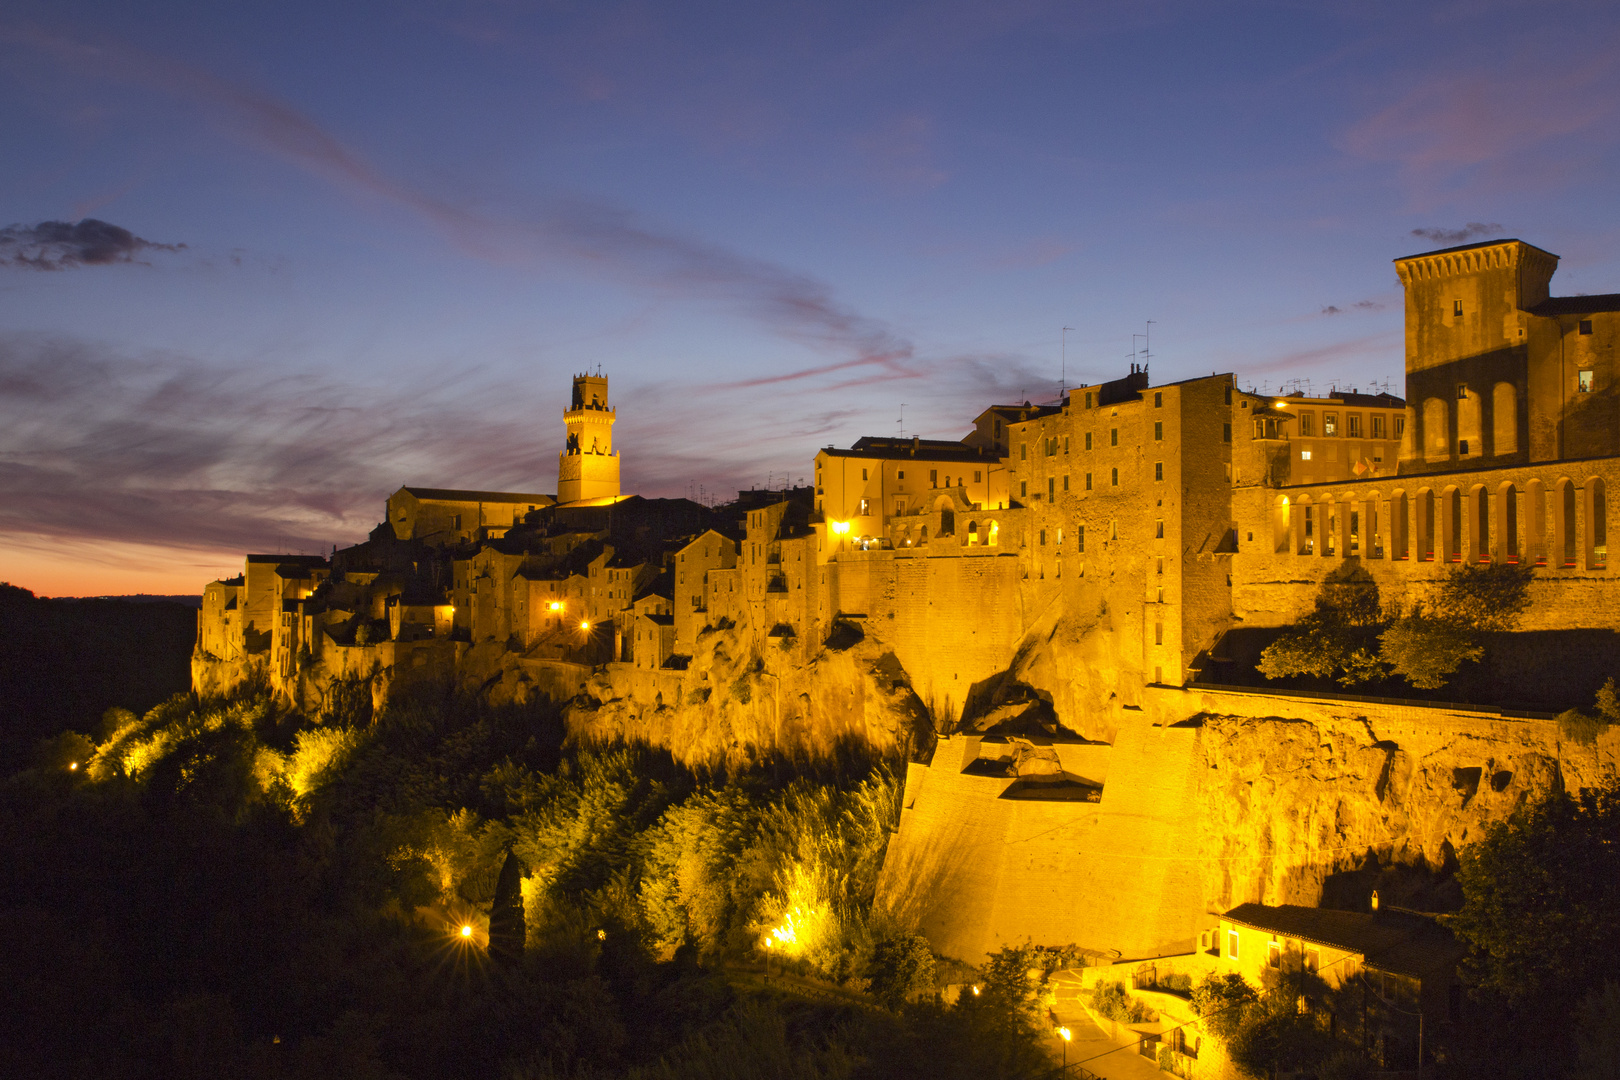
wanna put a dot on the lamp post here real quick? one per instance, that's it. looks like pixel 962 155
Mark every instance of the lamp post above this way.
pixel 1067 1035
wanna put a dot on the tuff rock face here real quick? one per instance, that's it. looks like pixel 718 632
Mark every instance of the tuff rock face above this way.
pixel 1322 808
pixel 741 701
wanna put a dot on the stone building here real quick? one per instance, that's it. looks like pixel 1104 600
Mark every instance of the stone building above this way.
pixel 588 467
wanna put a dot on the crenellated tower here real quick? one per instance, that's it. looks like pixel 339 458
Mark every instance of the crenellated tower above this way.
pixel 588 468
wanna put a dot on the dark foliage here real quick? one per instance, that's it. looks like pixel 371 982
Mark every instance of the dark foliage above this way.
pixel 68 661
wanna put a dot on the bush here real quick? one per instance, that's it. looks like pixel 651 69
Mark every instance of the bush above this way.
pixel 1115 1002
pixel 1222 1001
pixel 898 967
pixel 1576 727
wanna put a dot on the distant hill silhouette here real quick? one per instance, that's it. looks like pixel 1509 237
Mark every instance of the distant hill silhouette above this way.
pixel 65 662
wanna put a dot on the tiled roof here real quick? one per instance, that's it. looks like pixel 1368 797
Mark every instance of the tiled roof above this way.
pixel 457 495
pixel 1471 247
pixel 1399 942
pixel 1577 305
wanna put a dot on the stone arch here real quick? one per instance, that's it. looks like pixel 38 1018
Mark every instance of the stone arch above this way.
pixel 1535 525
pixel 1597 525
pixel 946 509
pixel 1506 546
pixel 1504 419
pixel 1566 536
pixel 1424 521
pixel 1436 430
pixel 1400 524
pixel 1470 441
pixel 1370 535
pixel 971 537
pixel 1305 526
pixel 1477 507
pixel 1281 530
pixel 993 534
pixel 1451 524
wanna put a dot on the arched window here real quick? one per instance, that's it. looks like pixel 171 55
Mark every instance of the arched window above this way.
pixel 973 534
pixel 1597 526
pixel 1479 524
pixel 1425 525
pixel 1468 424
pixel 1281 524
pixel 1436 431
pixel 1400 525
pixel 1535 526
pixel 1565 536
pixel 1506 548
pixel 1451 525
pixel 995 534
pixel 1504 419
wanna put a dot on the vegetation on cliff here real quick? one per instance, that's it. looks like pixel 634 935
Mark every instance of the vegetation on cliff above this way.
pixel 1353 638
pixel 234 889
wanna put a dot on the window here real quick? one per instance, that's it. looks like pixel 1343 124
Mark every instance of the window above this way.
pixel 1158 529
pixel 901 475
pixel 1353 423
pixel 1043 538
pixel 1378 427
pixel 1304 455
pixel 1160 561
pixel 1088 440
pixel 1400 426
pixel 933 477
pixel 1586 326
pixel 1082 539
pixel 1116 478
pixel 1158 431
pixel 1113 436
pixel 1228 395
pixel 1023 489
pixel 1158 470
pixel 1023 451
pixel 1065 444
pixel 866 507
pixel 1088 400
pixel 1226 433
pixel 1051 488
pixel 975 476
pixel 1088 481
pixel 1456 309
pixel 1274 955
pixel 1307 423
pixel 1065 483
pixel 1158 399
pixel 863 474
pixel 1586 381
pixel 1158 633
pixel 1462 391
pixel 1313 960
pixel 1330 424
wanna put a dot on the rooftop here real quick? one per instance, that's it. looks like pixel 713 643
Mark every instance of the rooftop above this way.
pixel 1577 305
pixel 459 495
pixel 1400 942
pixel 919 449
pixel 1475 247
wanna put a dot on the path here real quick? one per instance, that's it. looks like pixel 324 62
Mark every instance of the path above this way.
pixel 1102 1056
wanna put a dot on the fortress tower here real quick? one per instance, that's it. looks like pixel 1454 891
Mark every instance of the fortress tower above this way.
pixel 588 468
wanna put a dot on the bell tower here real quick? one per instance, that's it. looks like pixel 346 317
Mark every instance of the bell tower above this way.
pixel 588 468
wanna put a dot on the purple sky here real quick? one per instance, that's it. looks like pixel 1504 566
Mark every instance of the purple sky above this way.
pixel 360 245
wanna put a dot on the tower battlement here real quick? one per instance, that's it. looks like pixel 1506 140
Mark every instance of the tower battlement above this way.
pixel 588 467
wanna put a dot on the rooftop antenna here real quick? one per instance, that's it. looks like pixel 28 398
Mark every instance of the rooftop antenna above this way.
pixel 1147 345
pixel 902 420
pixel 1063 376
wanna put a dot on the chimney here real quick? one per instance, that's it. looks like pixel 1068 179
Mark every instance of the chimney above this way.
pixel 916 441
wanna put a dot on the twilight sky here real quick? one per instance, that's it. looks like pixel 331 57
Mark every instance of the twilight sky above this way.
pixel 338 247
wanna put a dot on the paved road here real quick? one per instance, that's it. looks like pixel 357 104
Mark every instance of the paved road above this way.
pixel 1100 1055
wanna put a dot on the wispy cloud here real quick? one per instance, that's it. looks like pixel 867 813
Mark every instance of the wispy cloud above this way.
pixel 1468 232
pixel 605 240
pixel 1359 305
pixel 1497 125
pixel 59 245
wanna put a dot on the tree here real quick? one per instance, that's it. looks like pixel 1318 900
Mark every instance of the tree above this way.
pixel 506 926
pixel 1221 1002
pixel 1541 899
pixel 1337 636
pixel 1426 647
pixel 899 966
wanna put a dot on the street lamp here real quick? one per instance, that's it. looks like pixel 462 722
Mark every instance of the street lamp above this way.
pixel 466 930
pixel 1067 1036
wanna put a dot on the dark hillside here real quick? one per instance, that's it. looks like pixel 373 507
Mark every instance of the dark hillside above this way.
pixel 65 662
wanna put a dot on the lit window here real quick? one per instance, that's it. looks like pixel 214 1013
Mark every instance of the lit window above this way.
pixel 1304 455
pixel 1330 424
pixel 1586 382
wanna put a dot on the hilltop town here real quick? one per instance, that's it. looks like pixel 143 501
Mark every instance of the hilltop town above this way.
pixel 1047 618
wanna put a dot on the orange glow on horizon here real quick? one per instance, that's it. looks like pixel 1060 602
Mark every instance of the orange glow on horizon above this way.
pixel 112 568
